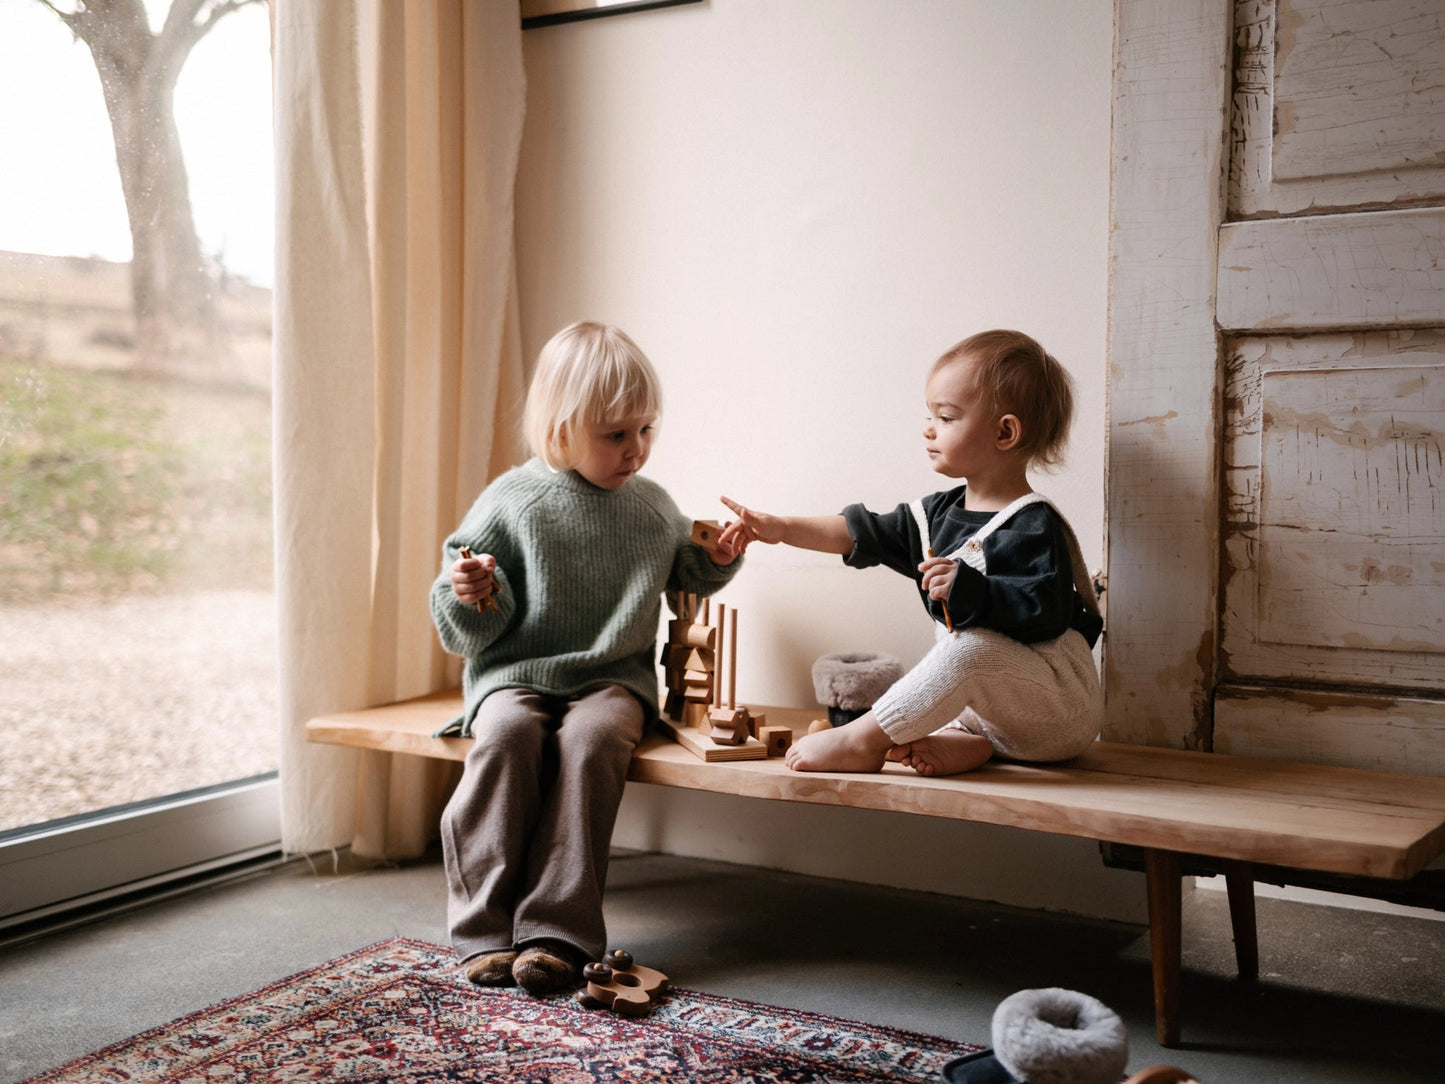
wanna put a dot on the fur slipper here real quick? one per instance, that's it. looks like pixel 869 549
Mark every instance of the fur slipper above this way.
pixel 1056 1036
pixel 853 681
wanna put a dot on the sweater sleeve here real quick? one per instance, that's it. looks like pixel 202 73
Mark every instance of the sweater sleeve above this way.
pixel 462 628
pixel 693 571
pixel 890 539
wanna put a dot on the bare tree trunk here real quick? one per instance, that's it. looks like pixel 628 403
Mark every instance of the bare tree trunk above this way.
pixel 171 292
pixel 171 288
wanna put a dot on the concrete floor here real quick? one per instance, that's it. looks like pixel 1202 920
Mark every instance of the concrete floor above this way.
pixel 1346 996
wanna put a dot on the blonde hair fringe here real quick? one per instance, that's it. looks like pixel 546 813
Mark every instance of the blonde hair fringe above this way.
pixel 588 373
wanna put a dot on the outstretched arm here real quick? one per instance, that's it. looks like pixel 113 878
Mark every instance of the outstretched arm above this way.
pixel 827 534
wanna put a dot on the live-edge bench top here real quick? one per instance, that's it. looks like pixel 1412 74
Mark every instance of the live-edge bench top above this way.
pixel 1303 816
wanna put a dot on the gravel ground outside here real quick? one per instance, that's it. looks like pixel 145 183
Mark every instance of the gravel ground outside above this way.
pixel 120 701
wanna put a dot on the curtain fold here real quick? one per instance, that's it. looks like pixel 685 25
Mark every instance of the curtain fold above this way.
pixel 398 371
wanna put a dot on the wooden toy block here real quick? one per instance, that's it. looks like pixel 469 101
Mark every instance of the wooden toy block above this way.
pixel 691 634
pixel 617 983
pixel 705 533
pixel 729 726
pixel 756 721
pixel 685 657
pixel 775 739
pixel 727 716
pixel 673 705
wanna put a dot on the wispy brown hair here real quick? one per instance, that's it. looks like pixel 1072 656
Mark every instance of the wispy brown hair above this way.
pixel 1018 376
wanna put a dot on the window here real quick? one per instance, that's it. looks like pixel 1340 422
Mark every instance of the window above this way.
pixel 136 598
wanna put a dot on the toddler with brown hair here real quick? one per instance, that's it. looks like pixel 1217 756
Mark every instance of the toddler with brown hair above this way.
pixel 997 566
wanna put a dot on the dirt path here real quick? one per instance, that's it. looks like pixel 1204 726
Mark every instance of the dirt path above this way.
pixel 113 703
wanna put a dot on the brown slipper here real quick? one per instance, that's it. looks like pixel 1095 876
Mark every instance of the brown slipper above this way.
pixel 546 968
pixel 491 968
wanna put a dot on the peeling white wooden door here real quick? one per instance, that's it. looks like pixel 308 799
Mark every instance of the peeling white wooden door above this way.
pixel 1277 510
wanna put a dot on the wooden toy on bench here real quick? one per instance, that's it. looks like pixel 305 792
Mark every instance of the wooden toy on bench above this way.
pixel 731 725
pixel 693 712
pixel 689 662
pixel 776 739
pixel 616 983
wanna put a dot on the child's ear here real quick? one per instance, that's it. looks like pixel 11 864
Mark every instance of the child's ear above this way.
pixel 560 445
pixel 1010 432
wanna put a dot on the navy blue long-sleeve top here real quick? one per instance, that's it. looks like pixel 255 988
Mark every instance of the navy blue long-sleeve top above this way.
pixel 1028 592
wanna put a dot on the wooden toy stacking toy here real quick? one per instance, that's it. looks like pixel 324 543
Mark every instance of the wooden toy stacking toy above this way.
pixel 693 660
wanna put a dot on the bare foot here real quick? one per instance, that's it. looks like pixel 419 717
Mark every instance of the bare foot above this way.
pixel 859 746
pixel 945 752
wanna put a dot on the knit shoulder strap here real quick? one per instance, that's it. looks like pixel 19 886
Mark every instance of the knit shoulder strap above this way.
pixel 971 552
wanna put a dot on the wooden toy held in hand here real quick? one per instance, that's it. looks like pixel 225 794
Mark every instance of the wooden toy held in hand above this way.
pixel 490 602
pixel 618 984
pixel 705 533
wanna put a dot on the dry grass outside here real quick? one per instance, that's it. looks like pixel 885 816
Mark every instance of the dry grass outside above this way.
pixel 136 601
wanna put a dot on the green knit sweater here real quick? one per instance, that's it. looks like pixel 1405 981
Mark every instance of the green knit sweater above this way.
pixel 581 572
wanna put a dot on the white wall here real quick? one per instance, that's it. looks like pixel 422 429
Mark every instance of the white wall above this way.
pixel 794 206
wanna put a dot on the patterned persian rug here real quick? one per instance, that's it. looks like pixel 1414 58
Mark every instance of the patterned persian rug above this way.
pixel 400 1012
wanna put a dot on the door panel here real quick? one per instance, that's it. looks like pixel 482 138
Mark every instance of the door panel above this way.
pixel 1384 733
pixel 1334 534
pixel 1342 107
pixel 1367 269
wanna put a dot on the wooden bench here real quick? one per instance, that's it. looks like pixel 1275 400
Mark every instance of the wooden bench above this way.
pixel 1239 813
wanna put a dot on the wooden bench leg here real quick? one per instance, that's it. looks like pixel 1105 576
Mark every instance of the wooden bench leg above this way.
pixel 1162 869
pixel 1239 880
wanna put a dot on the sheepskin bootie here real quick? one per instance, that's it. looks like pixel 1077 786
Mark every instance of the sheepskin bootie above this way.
pixel 546 968
pixel 1057 1036
pixel 1048 1036
pixel 847 684
pixel 491 968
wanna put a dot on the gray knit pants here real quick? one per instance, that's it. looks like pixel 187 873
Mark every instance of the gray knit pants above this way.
pixel 527 832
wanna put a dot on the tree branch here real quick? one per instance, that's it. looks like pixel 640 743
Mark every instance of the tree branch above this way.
pixel 67 17
pixel 187 22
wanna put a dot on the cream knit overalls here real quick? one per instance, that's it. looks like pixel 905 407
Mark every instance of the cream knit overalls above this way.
pixel 1039 702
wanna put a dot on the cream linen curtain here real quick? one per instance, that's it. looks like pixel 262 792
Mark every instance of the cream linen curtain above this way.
pixel 398 371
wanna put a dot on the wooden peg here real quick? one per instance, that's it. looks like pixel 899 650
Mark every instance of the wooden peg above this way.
pixel 819 724
pixel 947 617
pixel 490 602
pixel 733 661
pixel 722 620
